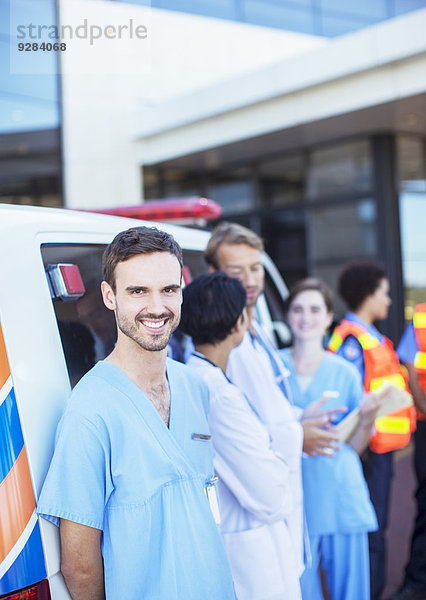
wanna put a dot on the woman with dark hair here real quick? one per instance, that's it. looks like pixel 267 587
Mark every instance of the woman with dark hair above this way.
pixel 338 509
pixel 252 462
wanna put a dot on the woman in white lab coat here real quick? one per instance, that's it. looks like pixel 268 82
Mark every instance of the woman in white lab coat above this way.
pixel 254 492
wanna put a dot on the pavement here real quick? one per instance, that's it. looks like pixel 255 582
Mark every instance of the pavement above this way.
pixel 401 521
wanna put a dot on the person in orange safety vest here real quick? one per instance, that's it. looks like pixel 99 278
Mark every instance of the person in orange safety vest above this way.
pixel 364 287
pixel 412 351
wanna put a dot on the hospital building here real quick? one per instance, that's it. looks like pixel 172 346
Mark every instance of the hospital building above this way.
pixel 304 119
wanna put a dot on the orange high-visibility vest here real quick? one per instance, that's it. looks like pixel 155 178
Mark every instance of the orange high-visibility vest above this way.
pixel 419 324
pixel 381 364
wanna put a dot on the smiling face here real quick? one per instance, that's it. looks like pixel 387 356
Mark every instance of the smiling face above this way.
pixel 244 263
pixel 147 299
pixel 308 316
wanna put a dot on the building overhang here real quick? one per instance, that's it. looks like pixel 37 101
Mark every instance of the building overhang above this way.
pixel 371 81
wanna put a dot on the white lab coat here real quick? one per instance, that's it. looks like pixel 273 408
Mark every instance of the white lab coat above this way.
pixel 249 368
pixel 255 495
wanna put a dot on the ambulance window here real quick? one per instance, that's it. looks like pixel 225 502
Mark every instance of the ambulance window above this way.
pixel 194 262
pixel 275 304
pixel 87 328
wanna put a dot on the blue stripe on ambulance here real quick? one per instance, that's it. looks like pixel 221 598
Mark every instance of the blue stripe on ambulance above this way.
pixel 28 567
pixel 11 440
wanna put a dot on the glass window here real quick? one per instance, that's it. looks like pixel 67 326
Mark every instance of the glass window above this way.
pixel 27 101
pixel 284 15
pixel 376 9
pixel 412 204
pixel 284 232
pixel 330 273
pixel 411 160
pixel 339 170
pixel 413 219
pixel 281 181
pixel 30 154
pixel 30 168
pixel 178 183
pixel 335 25
pixel 341 232
pixel 224 9
pixel 234 191
pixel 404 6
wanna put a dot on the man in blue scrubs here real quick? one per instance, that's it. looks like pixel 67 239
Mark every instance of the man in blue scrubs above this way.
pixel 133 456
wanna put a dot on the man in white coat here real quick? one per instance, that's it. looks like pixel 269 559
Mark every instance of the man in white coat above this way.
pixel 255 368
pixel 254 476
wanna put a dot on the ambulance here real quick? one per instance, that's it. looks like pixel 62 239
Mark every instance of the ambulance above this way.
pixel 53 329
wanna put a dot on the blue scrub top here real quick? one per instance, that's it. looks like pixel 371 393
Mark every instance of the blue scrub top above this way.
pixel 118 468
pixel 335 493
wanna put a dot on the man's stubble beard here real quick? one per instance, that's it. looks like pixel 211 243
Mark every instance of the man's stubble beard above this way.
pixel 149 343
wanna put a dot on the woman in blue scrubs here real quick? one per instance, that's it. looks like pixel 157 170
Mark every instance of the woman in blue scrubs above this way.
pixel 338 509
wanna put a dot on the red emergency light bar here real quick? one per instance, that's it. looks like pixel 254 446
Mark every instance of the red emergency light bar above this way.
pixel 40 591
pixel 168 210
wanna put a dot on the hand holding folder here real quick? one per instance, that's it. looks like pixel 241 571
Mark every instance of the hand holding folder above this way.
pixel 393 399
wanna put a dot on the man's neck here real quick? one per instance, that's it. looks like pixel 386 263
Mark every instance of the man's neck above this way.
pixel 145 368
pixel 217 354
pixel 307 355
pixel 250 316
pixel 364 314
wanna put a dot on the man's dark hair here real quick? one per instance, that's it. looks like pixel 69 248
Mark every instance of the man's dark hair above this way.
pixel 134 241
pixel 358 280
pixel 212 304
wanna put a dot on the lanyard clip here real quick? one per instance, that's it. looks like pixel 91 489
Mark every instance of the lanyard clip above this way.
pixel 210 490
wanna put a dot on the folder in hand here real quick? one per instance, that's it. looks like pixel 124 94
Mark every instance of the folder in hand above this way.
pixel 395 399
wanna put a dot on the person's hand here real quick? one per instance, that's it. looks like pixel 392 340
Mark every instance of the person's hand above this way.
pixel 369 406
pixel 314 411
pixel 319 435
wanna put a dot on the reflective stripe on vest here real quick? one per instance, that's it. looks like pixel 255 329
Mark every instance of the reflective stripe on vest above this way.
pixel 389 424
pixel 420 361
pixel 419 324
pixel 419 318
pixel 335 342
pixel 397 379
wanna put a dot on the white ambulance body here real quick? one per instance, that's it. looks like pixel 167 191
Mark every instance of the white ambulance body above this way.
pixel 49 337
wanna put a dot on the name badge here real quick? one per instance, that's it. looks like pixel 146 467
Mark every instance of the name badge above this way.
pixel 211 494
pixel 204 437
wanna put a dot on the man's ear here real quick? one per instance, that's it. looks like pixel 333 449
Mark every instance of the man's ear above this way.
pixel 211 269
pixel 108 295
pixel 239 325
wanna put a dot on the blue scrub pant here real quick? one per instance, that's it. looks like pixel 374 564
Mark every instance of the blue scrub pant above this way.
pixel 344 560
pixel 415 572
